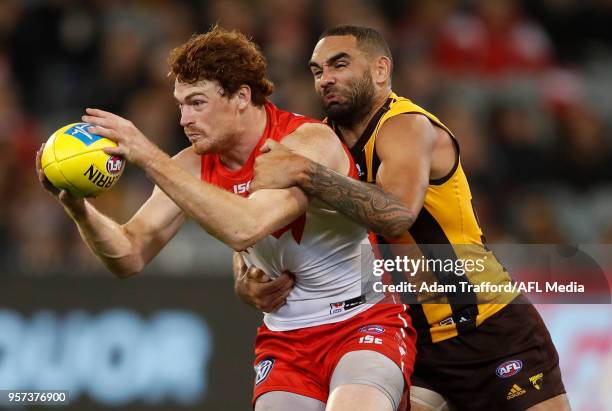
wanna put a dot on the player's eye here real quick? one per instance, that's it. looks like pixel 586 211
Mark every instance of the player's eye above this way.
pixel 341 64
pixel 198 103
pixel 317 73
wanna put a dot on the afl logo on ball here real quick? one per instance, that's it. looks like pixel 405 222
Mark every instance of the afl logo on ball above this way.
pixel 114 165
pixel 509 368
pixel 263 369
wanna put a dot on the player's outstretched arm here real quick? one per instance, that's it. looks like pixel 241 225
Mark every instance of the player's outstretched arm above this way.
pixel 404 147
pixel 238 222
pixel 124 249
pixel 241 222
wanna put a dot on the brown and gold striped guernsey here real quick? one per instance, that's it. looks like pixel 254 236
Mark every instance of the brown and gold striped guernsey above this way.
pixel 447 218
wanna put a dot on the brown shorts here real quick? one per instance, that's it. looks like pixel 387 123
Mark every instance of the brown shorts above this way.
pixel 508 363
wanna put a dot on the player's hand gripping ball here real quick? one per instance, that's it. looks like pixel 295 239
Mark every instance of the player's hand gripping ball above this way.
pixel 74 160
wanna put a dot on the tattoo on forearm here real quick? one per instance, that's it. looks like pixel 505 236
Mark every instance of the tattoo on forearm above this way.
pixel 365 203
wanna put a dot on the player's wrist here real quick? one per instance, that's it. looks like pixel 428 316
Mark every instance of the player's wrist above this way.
pixel 75 207
pixel 153 159
pixel 306 174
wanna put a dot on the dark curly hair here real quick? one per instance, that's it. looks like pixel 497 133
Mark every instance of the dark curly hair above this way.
pixel 227 57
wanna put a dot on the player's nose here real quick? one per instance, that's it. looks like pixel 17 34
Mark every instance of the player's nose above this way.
pixel 186 118
pixel 327 79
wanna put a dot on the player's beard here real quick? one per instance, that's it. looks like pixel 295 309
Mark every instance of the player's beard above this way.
pixel 359 102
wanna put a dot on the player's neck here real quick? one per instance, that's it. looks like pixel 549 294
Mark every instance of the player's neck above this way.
pixel 246 139
pixel 351 135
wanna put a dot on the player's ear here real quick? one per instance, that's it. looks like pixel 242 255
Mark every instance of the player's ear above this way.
pixel 244 96
pixel 382 69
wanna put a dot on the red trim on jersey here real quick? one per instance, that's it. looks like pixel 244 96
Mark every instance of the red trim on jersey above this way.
pixel 279 124
pixel 296 227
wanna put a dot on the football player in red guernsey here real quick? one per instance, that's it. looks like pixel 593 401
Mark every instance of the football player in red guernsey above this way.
pixel 330 346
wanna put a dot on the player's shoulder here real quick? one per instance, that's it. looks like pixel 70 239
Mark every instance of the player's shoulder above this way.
pixel 319 143
pixel 286 115
pixel 406 128
pixel 308 137
pixel 312 134
pixel 285 122
pixel 407 121
pixel 189 160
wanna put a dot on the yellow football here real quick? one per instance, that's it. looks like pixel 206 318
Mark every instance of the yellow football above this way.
pixel 73 159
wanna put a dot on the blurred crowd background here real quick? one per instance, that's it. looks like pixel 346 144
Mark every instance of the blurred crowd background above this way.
pixel 525 85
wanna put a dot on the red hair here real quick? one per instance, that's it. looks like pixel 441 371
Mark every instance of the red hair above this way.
pixel 227 57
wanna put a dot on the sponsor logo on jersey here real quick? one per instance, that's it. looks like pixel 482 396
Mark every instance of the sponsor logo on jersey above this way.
pixel 370 339
pixel 509 368
pixel 263 369
pixel 338 307
pixel 514 392
pixel 114 165
pixel 242 187
pixel 372 329
pixel 536 380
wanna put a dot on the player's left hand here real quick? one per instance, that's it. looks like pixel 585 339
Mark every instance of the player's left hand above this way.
pixel 254 287
pixel 133 146
pixel 278 167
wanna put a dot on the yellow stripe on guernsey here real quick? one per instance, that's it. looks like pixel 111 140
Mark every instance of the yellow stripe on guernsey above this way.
pixel 447 218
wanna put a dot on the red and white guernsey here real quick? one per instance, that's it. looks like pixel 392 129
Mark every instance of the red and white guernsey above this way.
pixel 322 248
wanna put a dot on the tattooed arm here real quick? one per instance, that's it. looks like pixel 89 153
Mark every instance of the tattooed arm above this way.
pixel 365 203
pixel 405 146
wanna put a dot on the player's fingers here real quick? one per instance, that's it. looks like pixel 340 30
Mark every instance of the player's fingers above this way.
pixel 276 301
pixel 98 121
pixel 276 304
pixel 104 132
pixel 274 145
pixel 270 145
pixel 265 147
pixel 257 274
pixel 267 298
pixel 47 184
pixel 101 113
pixel 39 156
pixel 286 290
pixel 64 196
pixel 283 282
pixel 40 174
pixel 238 265
pixel 114 151
pixel 42 178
